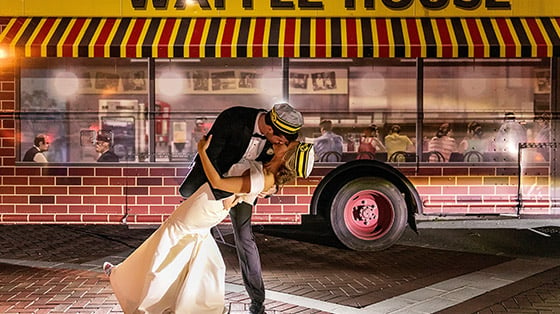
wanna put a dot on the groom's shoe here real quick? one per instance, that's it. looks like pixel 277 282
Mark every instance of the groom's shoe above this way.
pixel 256 308
pixel 107 267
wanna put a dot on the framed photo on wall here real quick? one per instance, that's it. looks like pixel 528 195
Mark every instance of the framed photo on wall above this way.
pixel 319 81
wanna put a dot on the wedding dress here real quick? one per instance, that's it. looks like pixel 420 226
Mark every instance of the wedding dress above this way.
pixel 179 268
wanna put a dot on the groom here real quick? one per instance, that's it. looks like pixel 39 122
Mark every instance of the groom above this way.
pixel 241 132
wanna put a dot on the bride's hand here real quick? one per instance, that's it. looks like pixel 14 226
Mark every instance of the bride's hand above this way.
pixel 204 143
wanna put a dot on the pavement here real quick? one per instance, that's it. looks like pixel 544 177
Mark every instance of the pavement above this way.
pixel 57 269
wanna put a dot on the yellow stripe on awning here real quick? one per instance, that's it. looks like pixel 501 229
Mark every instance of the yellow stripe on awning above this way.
pixel 282 37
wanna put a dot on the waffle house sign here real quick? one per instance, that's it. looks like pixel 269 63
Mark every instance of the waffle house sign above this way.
pixel 281 8
pixel 320 5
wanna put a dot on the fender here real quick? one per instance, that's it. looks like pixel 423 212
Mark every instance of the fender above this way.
pixel 326 189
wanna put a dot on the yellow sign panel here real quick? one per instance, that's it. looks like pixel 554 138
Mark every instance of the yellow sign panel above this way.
pixel 280 8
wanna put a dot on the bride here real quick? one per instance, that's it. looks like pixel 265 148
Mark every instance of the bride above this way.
pixel 179 268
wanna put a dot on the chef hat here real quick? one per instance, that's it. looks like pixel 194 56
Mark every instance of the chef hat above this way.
pixel 305 157
pixel 285 118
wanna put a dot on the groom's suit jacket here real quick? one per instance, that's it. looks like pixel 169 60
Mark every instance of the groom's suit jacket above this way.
pixel 231 134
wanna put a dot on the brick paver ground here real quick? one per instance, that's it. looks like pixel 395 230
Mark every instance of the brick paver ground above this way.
pixel 321 272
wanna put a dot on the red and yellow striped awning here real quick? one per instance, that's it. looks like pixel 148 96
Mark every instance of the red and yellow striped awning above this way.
pixel 283 37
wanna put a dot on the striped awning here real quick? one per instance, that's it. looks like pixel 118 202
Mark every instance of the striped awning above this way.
pixel 283 37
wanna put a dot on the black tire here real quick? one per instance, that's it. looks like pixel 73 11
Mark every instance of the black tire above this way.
pixel 368 214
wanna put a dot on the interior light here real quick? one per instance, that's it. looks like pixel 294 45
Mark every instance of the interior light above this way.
pixel 170 83
pixel 3 53
pixel 66 83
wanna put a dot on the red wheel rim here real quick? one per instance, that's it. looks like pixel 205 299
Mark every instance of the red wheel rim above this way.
pixel 368 215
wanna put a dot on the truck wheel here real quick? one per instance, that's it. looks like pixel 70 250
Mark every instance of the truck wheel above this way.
pixel 368 214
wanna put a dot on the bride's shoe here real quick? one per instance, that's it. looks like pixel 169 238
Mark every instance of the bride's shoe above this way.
pixel 107 267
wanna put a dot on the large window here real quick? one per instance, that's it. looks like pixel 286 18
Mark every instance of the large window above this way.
pixel 480 110
pixel 473 110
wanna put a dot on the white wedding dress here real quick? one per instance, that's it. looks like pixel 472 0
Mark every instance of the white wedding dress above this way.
pixel 179 268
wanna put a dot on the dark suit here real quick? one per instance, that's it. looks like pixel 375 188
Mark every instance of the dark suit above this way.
pixel 108 156
pixel 231 134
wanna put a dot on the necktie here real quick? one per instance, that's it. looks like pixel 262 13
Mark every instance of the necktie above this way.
pixel 259 136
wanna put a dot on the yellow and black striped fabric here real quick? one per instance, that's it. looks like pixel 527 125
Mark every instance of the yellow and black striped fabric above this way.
pixel 282 37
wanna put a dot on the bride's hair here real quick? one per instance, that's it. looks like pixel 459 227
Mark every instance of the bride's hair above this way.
pixel 286 172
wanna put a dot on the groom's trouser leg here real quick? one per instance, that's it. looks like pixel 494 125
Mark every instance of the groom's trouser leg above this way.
pixel 247 251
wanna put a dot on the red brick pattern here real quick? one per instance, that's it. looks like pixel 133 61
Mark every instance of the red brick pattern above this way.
pixel 81 194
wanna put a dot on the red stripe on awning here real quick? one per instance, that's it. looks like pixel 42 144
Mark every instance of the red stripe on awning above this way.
pixel 67 50
pixel 194 45
pixel 320 38
pixel 40 38
pixel 132 42
pixel 351 37
pixel 383 38
pixel 227 38
pixel 538 36
pixel 289 37
pixel 476 37
pixel 414 37
pixel 163 45
pixel 507 37
pixel 100 43
pixel 445 37
pixel 258 38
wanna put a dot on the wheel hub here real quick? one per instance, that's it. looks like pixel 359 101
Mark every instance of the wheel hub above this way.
pixel 368 215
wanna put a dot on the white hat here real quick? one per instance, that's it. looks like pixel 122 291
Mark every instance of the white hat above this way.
pixel 285 118
pixel 305 158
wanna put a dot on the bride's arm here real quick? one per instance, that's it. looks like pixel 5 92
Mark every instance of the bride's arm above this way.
pixel 241 184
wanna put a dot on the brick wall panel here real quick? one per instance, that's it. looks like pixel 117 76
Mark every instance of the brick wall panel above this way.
pixel 162 210
pixel 43 181
pixel 28 209
pixel 41 199
pixel 7 152
pixel 165 190
pixel 453 190
pixel 28 190
pixel 162 172
pixel 81 172
pixel 42 218
pixel 28 171
pixel 157 200
pixel 68 218
pixel 7 208
pixel 282 199
pixel 138 209
pixel 68 181
pixel 60 172
pixel 81 190
pixel 122 200
pixel 95 199
pixel 7 171
pixel 96 218
pixel 172 200
pixel 9 199
pixel 8 161
pixel 285 218
pixel 123 181
pixel 148 181
pixel 108 209
pixel 469 180
pixel 173 181
pixel 477 171
pixel 136 190
pixel 62 199
pixel 135 172
pixel 95 181
pixel 108 172
pixel 295 190
pixel 7 190
pixel 295 209
pixel 148 219
pixel 14 180
pixel 55 190
pixel 55 209
pixel 15 218
pixel 267 209
pixel 83 209
pixel 108 190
